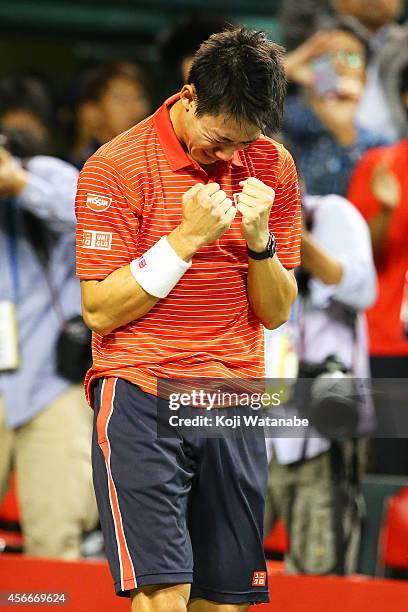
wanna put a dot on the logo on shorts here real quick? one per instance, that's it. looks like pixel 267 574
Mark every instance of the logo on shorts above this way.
pixel 259 579
pixel 142 262
pixel 98 203
pixel 101 241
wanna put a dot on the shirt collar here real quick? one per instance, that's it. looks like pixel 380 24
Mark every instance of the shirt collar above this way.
pixel 173 150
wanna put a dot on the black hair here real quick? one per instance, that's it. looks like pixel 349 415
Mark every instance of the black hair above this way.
pixel 239 72
pixel 26 93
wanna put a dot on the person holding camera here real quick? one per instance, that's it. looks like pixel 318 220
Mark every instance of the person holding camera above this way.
pixel 45 427
pixel 314 481
pixel 327 76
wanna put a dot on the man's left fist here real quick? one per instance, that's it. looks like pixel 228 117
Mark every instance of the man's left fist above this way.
pixel 255 204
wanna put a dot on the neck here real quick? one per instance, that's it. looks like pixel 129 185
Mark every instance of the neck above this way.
pixel 176 117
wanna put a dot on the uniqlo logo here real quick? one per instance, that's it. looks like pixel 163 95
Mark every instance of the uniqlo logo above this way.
pixel 142 262
pixel 101 241
pixel 259 579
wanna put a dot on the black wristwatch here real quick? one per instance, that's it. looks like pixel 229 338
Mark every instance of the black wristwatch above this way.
pixel 268 252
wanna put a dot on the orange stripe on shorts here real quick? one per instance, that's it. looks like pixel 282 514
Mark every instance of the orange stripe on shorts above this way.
pixel 127 571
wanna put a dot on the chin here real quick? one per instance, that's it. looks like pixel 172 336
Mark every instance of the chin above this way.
pixel 201 157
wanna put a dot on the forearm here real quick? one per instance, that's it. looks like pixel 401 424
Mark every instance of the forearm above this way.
pixel 271 291
pixel 319 263
pixel 379 227
pixel 119 298
pixel 114 301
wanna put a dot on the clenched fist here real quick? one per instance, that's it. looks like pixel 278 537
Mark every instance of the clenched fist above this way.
pixel 207 213
pixel 255 204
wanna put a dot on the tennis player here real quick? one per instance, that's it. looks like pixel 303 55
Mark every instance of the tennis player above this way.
pixel 188 230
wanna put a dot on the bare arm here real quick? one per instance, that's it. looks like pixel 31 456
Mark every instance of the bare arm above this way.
pixel 114 301
pixel 119 298
pixel 271 291
pixel 318 262
pixel 387 190
pixel 271 288
pixel 379 227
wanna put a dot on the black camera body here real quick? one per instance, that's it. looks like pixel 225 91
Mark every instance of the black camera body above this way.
pixel 73 351
pixel 330 397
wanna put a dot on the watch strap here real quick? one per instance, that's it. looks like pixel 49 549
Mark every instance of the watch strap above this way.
pixel 269 251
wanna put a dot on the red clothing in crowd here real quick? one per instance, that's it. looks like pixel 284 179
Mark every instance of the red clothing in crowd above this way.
pixel 386 329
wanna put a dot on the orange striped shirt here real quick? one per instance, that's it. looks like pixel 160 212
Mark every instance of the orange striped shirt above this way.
pixel 129 195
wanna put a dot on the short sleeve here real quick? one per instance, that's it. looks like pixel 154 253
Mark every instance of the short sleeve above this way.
pixel 359 192
pixel 285 218
pixel 108 217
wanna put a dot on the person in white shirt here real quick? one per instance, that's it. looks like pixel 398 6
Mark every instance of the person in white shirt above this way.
pixel 305 485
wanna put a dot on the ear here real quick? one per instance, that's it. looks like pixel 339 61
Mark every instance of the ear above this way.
pixel 188 97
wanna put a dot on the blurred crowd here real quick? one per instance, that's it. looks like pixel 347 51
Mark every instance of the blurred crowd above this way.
pixel 346 124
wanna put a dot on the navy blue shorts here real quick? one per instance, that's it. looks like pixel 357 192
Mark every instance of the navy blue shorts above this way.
pixel 177 510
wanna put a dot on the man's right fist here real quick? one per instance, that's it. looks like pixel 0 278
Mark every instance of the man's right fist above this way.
pixel 207 214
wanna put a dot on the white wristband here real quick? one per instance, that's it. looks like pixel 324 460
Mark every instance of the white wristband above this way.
pixel 159 269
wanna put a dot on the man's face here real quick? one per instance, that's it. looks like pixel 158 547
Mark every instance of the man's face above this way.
pixel 372 13
pixel 123 104
pixel 212 138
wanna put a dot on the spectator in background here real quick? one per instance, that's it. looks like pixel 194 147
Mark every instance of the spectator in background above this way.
pixel 379 189
pixel 319 118
pixel 300 20
pixel 108 99
pixel 379 17
pixel 27 113
pixel 313 482
pixel 178 43
pixel 45 425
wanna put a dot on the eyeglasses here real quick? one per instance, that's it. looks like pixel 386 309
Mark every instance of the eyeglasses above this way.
pixel 348 58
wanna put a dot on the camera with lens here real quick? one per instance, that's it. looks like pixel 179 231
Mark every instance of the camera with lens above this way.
pixel 330 397
pixel 20 143
pixel 74 354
